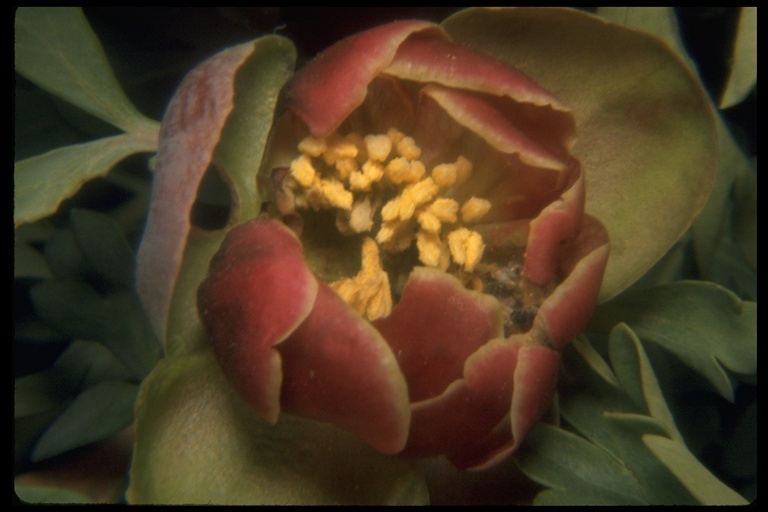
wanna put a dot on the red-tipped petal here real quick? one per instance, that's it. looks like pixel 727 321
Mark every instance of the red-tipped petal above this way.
pixel 258 291
pixel 338 368
pixel 441 61
pixel 435 327
pixel 566 312
pixel 558 222
pixel 479 116
pixel 335 82
pixel 535 383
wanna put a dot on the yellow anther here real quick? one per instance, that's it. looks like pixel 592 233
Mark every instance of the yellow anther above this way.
pixel 378 147
pixel 400 170
pixel 345 167
pixel 429 222
pixel 432 250
pixel 341 149
pixel 466 248
pixel 335 194
pixel 395 236
pixel 444 209
pixel 395 135
pixel 463 170
pixel 312 146
pixel 361 217
pixel 303 171
pixel 474 209
pixel 368 292
pixel 445 175
pixel 407 148
pixel 415 195
pixel 391 210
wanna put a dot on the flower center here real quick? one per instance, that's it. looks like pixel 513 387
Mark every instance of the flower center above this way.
pixel 380 189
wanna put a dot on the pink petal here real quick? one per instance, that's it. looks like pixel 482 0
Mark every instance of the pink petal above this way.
pixel 337 368
pixel 335 82
pixel 189 134
pixel 556 223
pixel 535 384
pixel 478 115
pixel 433 60
pixel 258 291
pixel 435 327
pixel 470 408
pixel 566 312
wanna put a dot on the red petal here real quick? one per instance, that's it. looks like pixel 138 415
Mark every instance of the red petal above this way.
pixel 483 118
pixel 435 327
pixel 559 221
pixel 258 291
pixel 535 383
pixel 470 408
pixel 335 82
pixel 337 368
pixel 566 312
pixel 432 60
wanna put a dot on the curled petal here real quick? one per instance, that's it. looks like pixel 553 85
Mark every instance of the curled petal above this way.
pixel 259 267
pixel 481 117
pixel 337 368
pixel 435 327
pixel 335 83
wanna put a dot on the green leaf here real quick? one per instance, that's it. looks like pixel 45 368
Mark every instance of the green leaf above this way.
pixel 42 182
pixel 94 415
pixel 57 49
pixel 576 469
pixel 638 380
pixel 103 246
pixel 187 149
pixel 75 309
pixel 49 495
pixel 647 141
pixel 703 324
pixel 707 489
pixel 743 76
pixel 198 443
pixel 28 262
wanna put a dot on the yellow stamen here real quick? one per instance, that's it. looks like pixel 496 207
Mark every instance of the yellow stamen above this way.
pixel 466 247
pixel 407 148
pixel 312 146
pixel 303 171
pixel 378 147
pixel 474 209
pixel 368 292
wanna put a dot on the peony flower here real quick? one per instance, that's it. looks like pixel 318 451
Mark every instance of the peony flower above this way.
pixel 424 256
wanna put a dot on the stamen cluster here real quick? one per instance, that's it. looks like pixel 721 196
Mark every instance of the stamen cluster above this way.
pixel 379 185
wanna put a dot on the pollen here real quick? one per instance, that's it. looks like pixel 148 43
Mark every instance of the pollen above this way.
pixel 368 292
pixel 474 209
pixel 383 193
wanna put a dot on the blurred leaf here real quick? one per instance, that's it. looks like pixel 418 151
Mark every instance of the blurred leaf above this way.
pixel 198 443
pixel 703 324
pixel 75 309
pixel 49 495
pixel 103 246
pixel 187 150
pixel 28 262
pixel 42 182
pixel 743 76
pixel 707 489
pixel 57 49
pixel 64 257
pixel 646 133
pixel 95 414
